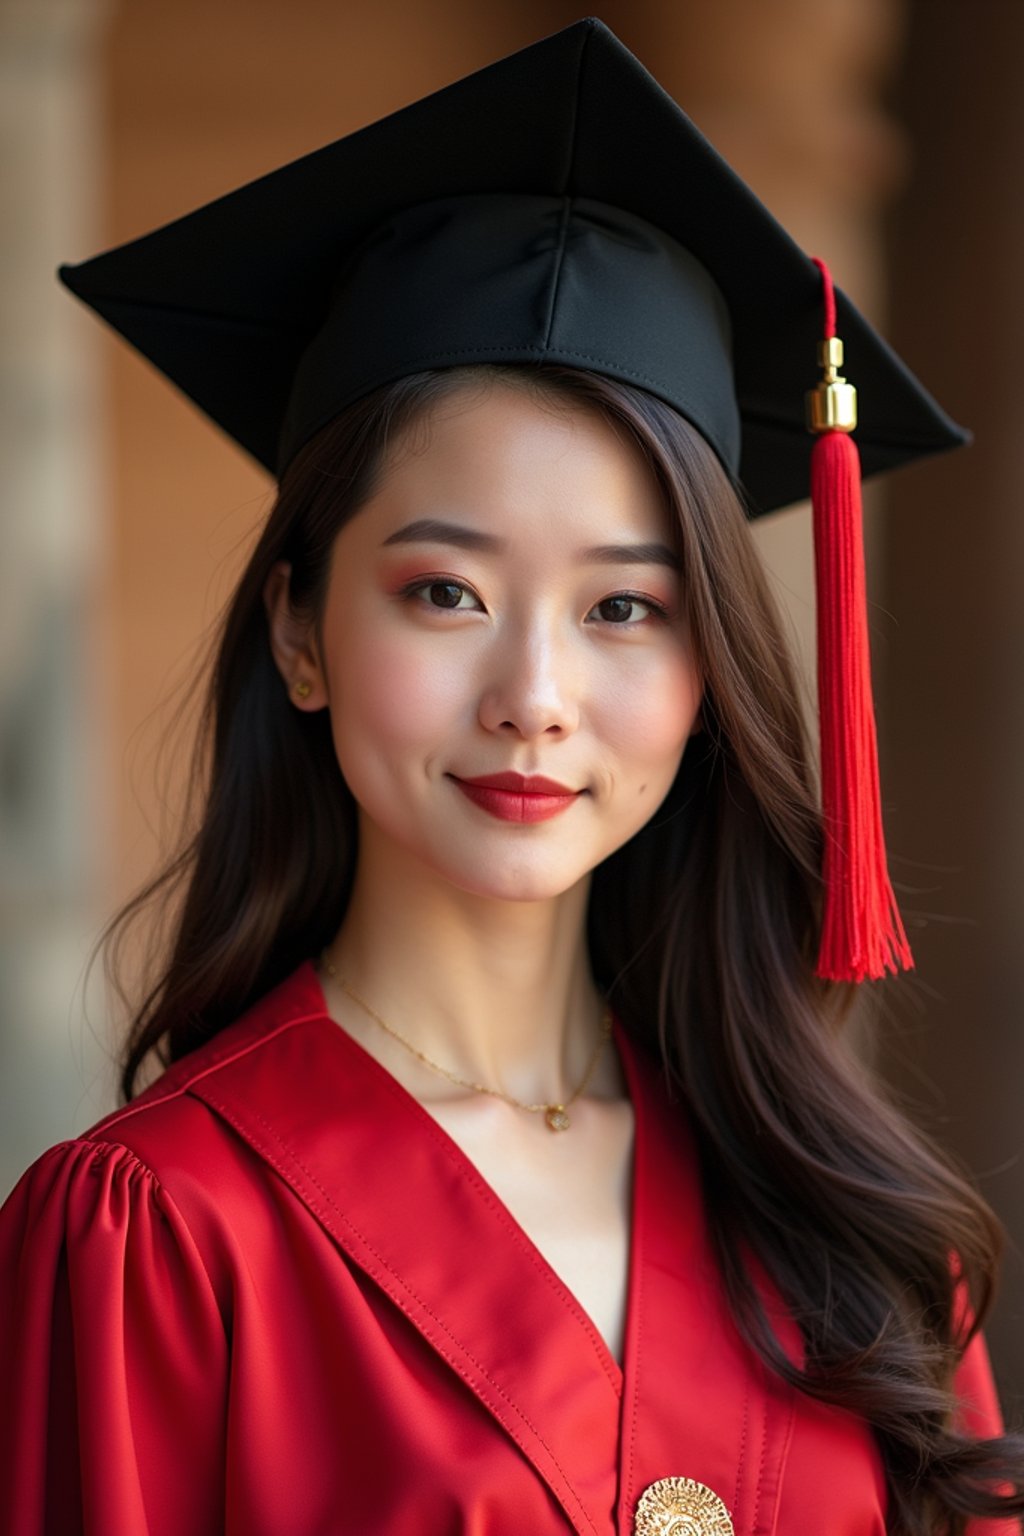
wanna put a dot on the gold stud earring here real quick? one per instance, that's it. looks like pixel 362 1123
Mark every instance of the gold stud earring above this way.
pixel 302 688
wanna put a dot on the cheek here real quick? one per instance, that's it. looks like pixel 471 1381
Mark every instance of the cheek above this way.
pixel 648 718
pixel 388 693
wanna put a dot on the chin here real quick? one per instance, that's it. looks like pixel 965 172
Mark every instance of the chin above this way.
pixel 512 884
pixel 522 866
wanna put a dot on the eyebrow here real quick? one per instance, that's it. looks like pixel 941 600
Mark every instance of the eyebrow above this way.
pixel 429 530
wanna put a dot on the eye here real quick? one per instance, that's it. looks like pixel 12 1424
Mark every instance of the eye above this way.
pixel 626 609
pixel 451 595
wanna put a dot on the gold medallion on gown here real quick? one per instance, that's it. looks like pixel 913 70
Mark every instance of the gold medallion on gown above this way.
pixel 679 1506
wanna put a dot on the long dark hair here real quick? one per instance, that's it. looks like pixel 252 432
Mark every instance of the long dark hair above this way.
pixel 702 930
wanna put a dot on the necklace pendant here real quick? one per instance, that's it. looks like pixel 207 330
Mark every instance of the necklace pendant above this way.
pixel 557 1118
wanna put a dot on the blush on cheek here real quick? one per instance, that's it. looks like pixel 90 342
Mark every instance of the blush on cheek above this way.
pixel 653 718
pixel 393 695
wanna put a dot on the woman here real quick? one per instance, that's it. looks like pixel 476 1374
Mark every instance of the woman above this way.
pixel 509 1171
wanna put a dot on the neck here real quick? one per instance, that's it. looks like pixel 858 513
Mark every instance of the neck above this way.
pixel 497 992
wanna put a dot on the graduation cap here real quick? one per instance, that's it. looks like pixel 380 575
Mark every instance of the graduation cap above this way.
pixel 556 207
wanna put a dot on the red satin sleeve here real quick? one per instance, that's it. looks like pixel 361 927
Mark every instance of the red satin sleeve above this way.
pixel 113 1356
pixel 980 1416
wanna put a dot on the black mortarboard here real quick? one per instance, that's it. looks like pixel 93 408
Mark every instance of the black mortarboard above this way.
pixel 557 206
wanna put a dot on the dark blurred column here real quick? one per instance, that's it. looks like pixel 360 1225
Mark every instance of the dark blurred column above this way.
pixel 954 721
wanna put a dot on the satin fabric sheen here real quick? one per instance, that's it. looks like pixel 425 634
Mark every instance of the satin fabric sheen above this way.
pixel 271 1297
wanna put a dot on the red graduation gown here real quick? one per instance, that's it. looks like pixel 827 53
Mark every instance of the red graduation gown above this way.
pixel 272 1297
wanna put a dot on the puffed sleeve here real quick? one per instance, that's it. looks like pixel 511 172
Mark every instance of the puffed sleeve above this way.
pixel 113 1355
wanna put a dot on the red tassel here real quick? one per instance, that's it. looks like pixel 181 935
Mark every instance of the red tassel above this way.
pixel 862 932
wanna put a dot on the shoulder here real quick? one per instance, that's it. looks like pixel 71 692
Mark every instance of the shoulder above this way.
pixel 167 1180
pixel 168 1155
pixel 170 1127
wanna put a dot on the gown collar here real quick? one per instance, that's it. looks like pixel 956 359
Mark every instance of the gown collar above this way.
pixel 404 1203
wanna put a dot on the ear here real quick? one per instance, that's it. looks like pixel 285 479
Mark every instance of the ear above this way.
pixel 292 643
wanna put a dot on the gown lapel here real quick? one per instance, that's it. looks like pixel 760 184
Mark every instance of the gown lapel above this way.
pixel 400 1198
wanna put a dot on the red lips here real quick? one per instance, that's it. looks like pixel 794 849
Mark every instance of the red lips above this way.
pixel 521 784
pixel 518 796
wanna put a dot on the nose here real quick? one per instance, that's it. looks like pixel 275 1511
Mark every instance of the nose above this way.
pixel 532 686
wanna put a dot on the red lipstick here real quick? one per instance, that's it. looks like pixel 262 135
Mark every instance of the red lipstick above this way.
pixel 518 796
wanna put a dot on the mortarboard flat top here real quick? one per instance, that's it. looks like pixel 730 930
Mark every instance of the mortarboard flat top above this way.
pixel 556 206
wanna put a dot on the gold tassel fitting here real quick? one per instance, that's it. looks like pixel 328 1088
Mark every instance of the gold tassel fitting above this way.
pixel 832 403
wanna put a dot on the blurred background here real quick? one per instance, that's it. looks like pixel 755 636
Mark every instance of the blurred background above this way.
pixel 888 135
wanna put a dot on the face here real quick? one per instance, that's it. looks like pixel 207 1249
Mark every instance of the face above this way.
pixel 503 648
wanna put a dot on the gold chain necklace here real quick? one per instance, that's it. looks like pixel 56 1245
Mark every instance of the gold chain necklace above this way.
pixel 556 1115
